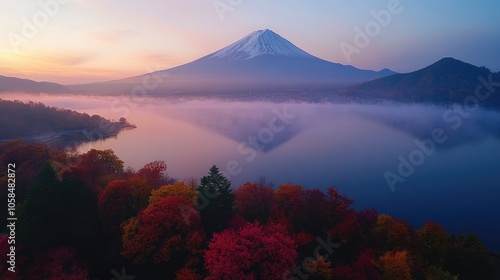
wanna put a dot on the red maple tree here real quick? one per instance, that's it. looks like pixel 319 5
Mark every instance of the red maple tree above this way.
pixel 164 230
pixel 253 252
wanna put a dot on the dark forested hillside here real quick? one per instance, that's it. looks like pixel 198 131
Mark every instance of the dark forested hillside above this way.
pixel 20 120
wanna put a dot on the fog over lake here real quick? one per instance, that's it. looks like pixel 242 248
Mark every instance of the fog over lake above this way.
pixel 455 181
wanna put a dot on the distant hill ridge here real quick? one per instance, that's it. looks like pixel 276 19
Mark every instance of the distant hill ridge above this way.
pixel 446 81
pixel 12 84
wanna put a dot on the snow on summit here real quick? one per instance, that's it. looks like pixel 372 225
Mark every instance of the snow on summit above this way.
pixel 257 43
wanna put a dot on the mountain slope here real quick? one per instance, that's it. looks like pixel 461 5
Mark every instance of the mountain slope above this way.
pixel 446 81
pixel 11 84
pixel 261 61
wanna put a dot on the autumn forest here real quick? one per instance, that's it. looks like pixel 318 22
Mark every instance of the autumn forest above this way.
pixel 86 216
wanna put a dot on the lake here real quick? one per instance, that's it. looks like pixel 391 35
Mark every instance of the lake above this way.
pixel 416 162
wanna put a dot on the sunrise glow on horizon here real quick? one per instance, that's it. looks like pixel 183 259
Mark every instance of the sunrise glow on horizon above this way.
pixel 89 41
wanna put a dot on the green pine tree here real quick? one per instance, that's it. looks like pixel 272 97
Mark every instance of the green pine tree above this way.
pixel 218 200
pixel 38 215
pixel 57 212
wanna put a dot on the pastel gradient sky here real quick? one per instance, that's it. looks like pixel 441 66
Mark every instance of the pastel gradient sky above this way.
pixel 97 40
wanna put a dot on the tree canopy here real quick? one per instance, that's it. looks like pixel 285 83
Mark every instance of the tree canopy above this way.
pixel 81 216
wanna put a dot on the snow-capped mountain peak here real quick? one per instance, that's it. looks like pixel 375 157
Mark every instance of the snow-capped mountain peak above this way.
pixel 257 43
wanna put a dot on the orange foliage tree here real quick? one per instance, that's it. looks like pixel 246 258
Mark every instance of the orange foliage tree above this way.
pixel 391 233
pixel 165 230
pixel 395 265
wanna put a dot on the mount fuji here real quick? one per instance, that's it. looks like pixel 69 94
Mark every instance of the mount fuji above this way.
pixel 262 61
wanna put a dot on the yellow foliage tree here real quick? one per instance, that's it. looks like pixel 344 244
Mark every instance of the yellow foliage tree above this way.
pixel 319 268
pixel 393 233
pixel 178 189
pixel 394 265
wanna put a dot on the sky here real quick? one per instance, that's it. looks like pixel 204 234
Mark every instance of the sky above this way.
pixel 81 41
